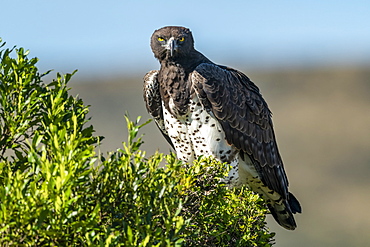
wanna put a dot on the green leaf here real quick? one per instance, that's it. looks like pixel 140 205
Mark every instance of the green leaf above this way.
pixel 56 191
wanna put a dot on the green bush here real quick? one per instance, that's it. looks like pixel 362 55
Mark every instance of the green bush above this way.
pixel 56 191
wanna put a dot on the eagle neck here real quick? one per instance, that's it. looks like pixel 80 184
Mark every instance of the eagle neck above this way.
pixel 175 86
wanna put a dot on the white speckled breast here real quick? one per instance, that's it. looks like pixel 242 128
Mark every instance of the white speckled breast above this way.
pixel 199 133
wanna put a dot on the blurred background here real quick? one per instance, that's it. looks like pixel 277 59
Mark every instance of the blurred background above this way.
pixel 311 60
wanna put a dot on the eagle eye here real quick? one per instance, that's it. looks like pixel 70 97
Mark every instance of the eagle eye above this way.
pixel 160 39
pixel 181 39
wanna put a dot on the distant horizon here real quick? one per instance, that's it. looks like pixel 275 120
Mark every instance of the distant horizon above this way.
pixel 100 75
pixel 236 59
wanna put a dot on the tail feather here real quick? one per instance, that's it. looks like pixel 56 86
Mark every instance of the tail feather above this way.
pixel 294 204
pixel 283 212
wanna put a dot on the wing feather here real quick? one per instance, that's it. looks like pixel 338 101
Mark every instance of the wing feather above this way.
pixel 245 118
pixel 153 102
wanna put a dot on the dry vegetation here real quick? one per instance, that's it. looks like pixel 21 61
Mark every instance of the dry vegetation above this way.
pixel 322 122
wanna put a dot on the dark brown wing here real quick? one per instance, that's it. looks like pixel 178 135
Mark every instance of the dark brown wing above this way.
pixel 153 102
pixel 244 115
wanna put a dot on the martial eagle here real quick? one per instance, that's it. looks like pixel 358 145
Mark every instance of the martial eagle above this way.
pixel 212 110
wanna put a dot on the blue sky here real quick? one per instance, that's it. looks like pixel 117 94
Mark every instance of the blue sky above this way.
pixel 112 37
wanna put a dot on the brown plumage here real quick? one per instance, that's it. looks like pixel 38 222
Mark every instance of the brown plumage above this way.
pixel 195 101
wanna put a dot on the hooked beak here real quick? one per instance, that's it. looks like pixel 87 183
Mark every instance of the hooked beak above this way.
pixel 171 45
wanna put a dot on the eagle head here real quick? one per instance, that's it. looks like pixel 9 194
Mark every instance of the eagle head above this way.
pixel 171 42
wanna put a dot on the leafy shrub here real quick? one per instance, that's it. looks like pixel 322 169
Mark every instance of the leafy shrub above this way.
pixel 56 191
